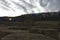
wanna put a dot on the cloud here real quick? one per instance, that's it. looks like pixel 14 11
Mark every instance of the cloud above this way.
pixel 20 7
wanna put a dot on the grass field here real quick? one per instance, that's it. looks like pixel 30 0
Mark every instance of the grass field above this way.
pixel 40 30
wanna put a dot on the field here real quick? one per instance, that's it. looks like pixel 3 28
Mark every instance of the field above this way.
pixel 40 30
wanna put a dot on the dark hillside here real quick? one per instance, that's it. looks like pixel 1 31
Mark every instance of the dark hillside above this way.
pixel 49 16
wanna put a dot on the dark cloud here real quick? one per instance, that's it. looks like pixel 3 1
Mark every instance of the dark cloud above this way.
pixel 53 6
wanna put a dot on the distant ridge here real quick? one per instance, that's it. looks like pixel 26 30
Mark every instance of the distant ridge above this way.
pixel 46 16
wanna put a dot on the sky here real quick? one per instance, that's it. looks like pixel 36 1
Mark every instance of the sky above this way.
pixel 13 8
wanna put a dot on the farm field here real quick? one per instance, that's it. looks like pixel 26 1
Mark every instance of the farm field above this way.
pixel 41 30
